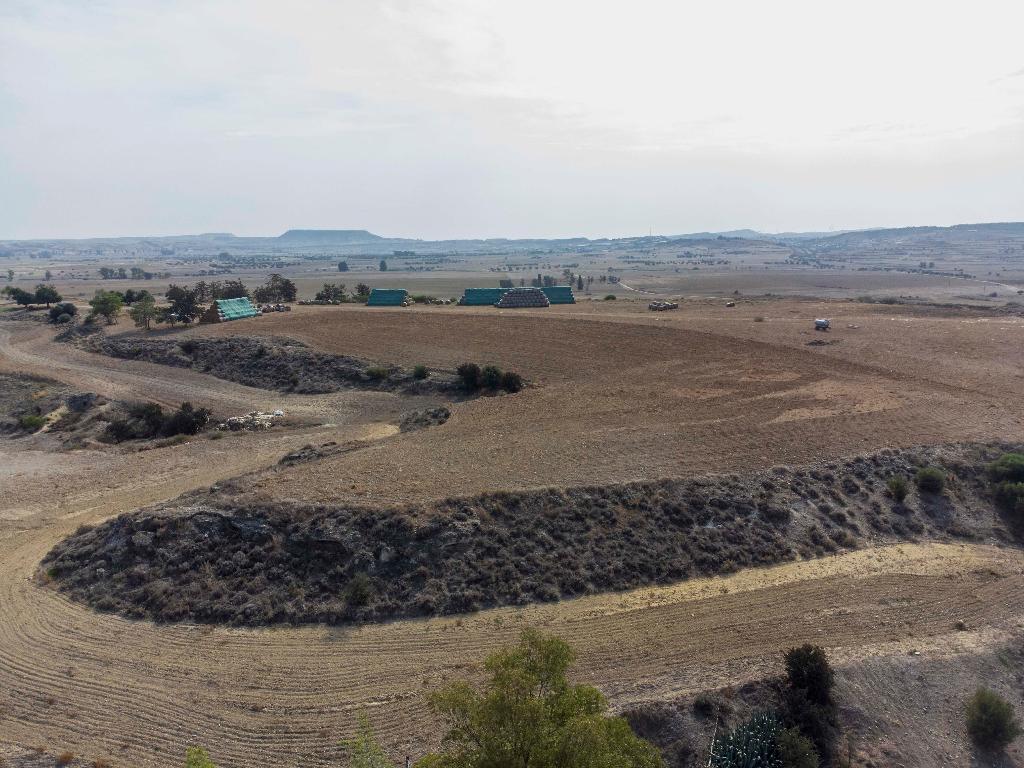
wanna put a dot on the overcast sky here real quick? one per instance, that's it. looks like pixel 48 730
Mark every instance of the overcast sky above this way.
pixel 470 118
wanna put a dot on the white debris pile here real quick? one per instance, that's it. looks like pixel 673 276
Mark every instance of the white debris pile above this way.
pixel 254 421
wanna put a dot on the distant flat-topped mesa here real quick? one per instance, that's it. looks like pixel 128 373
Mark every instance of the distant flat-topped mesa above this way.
pixel 329 236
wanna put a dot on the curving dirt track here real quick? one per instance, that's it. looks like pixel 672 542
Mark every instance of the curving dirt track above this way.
pixel 137 694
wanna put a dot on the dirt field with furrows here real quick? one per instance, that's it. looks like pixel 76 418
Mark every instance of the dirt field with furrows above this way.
pixel 623 394
pixel 615 394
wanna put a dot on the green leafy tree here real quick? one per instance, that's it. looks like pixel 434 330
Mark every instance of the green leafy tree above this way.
pixel 107 304
pixel 528 716
pixel 20 296
pixel 184 303
pixel 197 757
pixel 10 275
pixel 331 292
pixel 144 311
pixel 343 266
pixel 48 276
pixel 46 294
pixel 363 749
pixel 276 289
pixel 362 289
pixel 383 266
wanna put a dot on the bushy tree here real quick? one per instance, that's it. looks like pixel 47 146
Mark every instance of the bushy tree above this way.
pixel 64 308
pixel 106 304
pixel 197 757
pixel 144 311
pixel 990 720
pixel 511 381
pixel 383 266
pixel 185 305
pixel 231 289
pixel 343 266
pixel 276 289
pixel 332 292
pixel 46 294
pixel 362 289
pixel 20 296
pixel 527 715
pixel 809 704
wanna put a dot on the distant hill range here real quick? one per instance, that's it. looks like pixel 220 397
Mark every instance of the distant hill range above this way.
pixel 328 236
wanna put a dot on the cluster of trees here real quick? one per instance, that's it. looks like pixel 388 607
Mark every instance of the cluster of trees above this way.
pixel 147 420
pixel 185 304
pixel 120 273
pixel 490 377
pixel 43 294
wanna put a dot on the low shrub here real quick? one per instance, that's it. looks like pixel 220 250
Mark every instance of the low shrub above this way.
pixel 359 590
pixel 469 373
pixel 809 704
pixel 610 297
pixel 63 319
pixel 148 420
pixel 990 720
pixel 64 308
pixel 32 422
pixel 1007 468
pixel 898 487
pixel 796 750
pixel 65 758
pixel 197 757
pixel 490 377
pixel 930 480
pixel 420 372
pixel 378 373
pixel 511 381
pixel 807 668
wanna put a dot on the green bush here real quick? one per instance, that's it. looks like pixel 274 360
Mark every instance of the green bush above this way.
pixel 990 720
pixel 511 381
pixel 196 757
pixel 470 375
pixel 64 308
pixel 490 377
pixel 1007 468
pixel 32 422
pixel 807 668
pixel 610 297
pixel 378 373
pixel 796 750
pixel 898 487
pixel 359 590
pixel 930 480
pixel 751 745
pixel 420 372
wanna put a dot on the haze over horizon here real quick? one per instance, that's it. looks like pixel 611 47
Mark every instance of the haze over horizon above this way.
pixel 463 119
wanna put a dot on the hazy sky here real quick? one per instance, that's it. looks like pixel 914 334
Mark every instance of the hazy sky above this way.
pixel 470 118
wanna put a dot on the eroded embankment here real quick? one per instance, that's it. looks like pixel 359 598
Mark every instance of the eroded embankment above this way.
pixel 205 559
pixel 279 364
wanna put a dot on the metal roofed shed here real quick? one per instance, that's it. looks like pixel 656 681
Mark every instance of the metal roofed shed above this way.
pixel 520 298
pixel 482 297
pixel 387 297
pixel 559 294
pixel 224 310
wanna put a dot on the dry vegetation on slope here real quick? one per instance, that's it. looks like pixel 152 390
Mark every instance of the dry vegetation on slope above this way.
pixel 213 560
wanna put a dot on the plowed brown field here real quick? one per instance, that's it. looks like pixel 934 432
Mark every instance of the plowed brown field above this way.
pixel 617 394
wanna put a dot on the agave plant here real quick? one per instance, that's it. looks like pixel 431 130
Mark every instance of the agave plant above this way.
pixel 751 745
